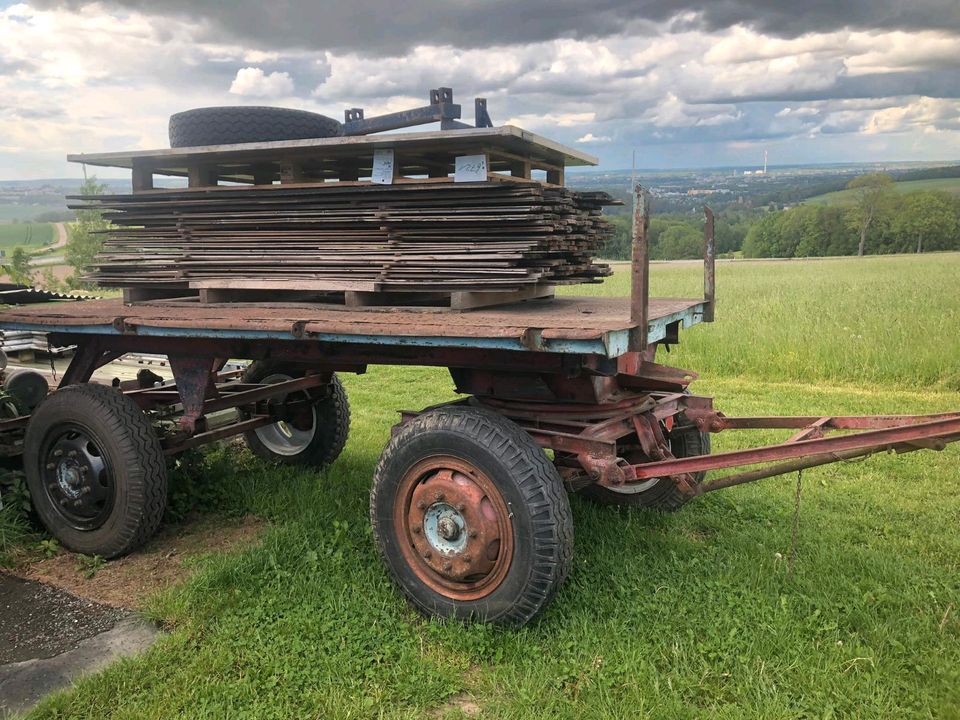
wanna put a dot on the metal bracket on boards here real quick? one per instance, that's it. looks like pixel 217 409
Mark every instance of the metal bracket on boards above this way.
pixel 441 109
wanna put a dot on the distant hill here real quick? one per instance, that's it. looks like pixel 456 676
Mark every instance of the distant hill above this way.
pixel 847 197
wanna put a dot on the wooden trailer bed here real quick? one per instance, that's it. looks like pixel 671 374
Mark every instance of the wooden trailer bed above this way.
pixel 581 325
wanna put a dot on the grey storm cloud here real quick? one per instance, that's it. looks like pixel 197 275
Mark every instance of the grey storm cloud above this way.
pixel 385 27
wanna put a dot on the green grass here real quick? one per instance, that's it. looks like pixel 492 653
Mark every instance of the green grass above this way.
pixel 680 616
pixel 848 197
pixel 29 236
pixel 890 320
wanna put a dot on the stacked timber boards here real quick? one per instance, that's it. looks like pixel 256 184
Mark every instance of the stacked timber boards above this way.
pixel 414 237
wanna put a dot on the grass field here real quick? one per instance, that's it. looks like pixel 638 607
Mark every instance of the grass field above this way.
pixel 29 236
pixel 23 213
pixel 847 197
pixel 689 615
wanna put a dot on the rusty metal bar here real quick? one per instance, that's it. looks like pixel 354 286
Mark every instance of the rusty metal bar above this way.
pixel 14 423
pixel 875 439
pixel 709 267
pixel 782 468
pixel 813 431
pixel 640 270
pixel 264 392
pixel 182 442
pixel 715 422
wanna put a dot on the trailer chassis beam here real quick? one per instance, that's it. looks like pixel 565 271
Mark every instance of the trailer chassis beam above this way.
pixel 913 431
pixel 591 440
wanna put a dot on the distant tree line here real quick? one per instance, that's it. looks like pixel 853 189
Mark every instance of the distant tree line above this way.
pixel 934 173
pixel 679 237
pixel 878 222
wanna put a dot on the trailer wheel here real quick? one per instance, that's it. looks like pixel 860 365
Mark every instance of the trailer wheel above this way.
pixel 95 469
pixel 658 493
pixel 471 518
pixel 316 445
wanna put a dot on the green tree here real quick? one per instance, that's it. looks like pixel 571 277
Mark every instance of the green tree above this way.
pixel 730 230
pixel 872 193
pixel 49 281
pixel 84 236
pixel 928 221
pixel 763 237
pixel 618 246
pixel 19 268
pixel 680 241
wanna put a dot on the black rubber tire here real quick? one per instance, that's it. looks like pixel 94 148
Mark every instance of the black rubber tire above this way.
pixel 528 482
pixel 685 441
pixel 332 420
pixel 239 124
pixel 133 449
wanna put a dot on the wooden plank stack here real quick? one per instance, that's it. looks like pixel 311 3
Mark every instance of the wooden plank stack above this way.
pixel 410 237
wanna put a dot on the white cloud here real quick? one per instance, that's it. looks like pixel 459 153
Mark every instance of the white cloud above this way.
pixel 591 138
pixel 923 114
pixel 254 82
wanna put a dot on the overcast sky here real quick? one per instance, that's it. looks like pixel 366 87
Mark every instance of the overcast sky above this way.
pixel 686 83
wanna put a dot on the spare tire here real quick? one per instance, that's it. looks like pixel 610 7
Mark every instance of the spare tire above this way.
pixel 229 125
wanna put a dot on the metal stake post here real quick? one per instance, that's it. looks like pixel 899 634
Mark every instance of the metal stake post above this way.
pixel 709 267
pixel 640 270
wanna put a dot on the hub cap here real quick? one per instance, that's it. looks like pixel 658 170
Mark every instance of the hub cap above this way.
pixel 283 437
pixel 77 477
pixel 455 528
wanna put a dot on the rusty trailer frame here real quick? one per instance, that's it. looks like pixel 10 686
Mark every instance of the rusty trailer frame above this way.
pixel 591 407
pixel 578 376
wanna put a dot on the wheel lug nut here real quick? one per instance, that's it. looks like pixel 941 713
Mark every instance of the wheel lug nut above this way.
pixel 447 567
pixel 416 529
pixel 467 558
pixel 427 554
pixel 58 452
pixel 440 497
pixel 461 507
pixel 84 470
pixel 473 533
pixel 50 466
pixel 77 502
pixel 72 453
pixel 421 505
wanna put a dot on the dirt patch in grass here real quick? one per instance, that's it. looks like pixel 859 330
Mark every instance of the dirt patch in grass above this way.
pixel 162 562
pixel 463 704
pixel 460 705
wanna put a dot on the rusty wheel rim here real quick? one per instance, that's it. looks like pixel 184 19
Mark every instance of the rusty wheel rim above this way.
pixel 453 527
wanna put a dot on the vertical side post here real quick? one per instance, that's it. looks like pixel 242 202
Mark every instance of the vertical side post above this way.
pixel 640 271
pixel 709 267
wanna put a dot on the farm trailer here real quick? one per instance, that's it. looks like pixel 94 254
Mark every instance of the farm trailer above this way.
pixel 470 515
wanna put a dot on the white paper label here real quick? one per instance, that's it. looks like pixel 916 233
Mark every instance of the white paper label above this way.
pixel 470 168
pixel 382 173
